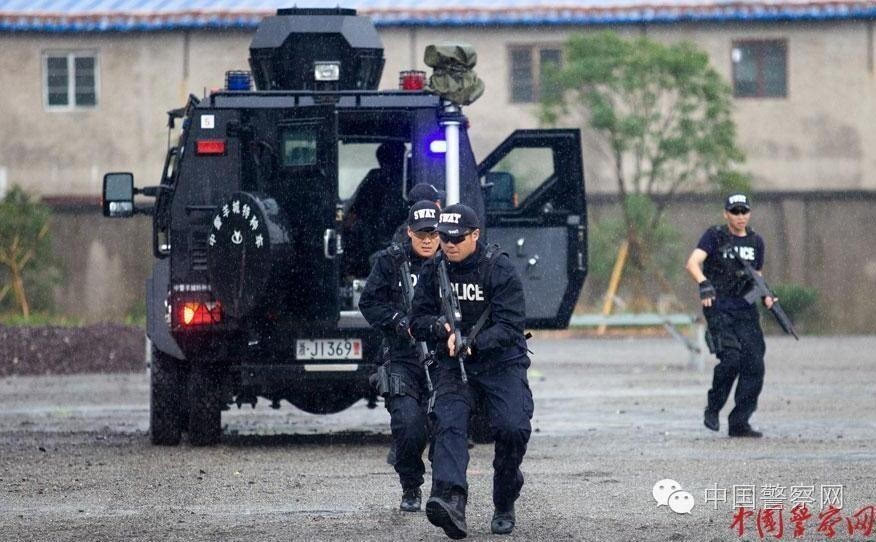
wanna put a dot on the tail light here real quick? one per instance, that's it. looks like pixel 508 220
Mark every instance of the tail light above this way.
pixel 210 146
pixel 199 313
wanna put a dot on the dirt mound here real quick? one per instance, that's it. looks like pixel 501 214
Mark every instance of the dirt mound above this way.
pixel 101 348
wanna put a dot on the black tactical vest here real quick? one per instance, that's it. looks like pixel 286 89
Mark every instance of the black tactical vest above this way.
pixel 724 272
pixel 471 285
pixel 397 253
pixel 401 350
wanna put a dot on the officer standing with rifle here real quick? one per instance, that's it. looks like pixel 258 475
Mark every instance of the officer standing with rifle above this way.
pixel 470 299
pixel 405 383
pixel 726 265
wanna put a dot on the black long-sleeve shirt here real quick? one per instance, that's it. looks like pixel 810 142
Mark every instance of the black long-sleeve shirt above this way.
pixel 501 339
pixel 382 302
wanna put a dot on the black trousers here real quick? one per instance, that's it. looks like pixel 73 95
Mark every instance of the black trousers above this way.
pixel 741 349
pixel 505 391
pixel 407 412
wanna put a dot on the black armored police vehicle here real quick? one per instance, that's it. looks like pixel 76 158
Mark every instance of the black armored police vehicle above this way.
pixel 272 199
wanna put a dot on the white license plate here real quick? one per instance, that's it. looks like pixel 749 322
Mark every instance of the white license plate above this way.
pixel 328 349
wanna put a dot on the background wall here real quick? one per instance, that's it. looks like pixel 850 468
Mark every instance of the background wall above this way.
pixel 818 239
pixel 823 240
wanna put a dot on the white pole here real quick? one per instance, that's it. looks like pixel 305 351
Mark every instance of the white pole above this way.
pixel 451 156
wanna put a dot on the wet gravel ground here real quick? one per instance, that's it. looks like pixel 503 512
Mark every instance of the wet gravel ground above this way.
pixel 612 417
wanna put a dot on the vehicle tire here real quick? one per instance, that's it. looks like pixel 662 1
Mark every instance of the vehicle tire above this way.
pixel 205 405
pixel 183 418
pixel 479 425
pixel 164 399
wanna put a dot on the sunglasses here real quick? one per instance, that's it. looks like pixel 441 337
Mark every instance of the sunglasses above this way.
pixel 423 235
pixel 739 211
pixel 453 239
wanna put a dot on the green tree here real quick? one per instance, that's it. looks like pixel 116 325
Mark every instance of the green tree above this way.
pixel 665 115
pixel 25 247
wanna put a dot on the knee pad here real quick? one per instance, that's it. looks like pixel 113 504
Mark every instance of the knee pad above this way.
pixel 512 433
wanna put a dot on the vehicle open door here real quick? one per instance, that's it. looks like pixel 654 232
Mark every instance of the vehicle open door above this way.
pixel 309 157
pixel 536 211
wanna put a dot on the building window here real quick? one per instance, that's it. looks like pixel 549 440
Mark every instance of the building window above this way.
pixel 760 69
pixel 529 69
pixel 70 81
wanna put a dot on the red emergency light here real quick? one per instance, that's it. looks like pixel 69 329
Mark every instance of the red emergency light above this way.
pixel 412 80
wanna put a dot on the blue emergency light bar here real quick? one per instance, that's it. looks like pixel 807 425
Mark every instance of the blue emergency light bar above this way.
pixel 238 80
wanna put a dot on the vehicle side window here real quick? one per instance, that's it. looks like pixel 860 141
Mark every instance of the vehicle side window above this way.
pixel 517 176
pixel 355 160
pixel 299 146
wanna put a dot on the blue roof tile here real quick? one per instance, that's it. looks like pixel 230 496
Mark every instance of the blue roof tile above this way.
pixel 149 15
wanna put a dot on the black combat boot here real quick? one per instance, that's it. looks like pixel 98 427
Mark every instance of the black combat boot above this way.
pixel 503 520
pixel 710 419
pixel 744 431
pixel 447 510
pixel 411 499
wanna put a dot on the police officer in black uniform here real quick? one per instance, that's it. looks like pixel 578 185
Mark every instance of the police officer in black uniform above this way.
pixel 496 370
pixel 382 305
pixel 734 331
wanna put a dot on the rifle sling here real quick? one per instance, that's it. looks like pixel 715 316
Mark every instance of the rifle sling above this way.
pixel 482 320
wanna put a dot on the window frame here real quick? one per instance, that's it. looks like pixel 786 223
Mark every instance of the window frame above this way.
pixel 535 68
pixel 71 55
pixel 760 46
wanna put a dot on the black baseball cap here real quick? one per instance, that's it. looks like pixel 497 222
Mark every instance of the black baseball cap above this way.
pixel 457 219
pixel 427 191
pixel 423 216
pixel 737 201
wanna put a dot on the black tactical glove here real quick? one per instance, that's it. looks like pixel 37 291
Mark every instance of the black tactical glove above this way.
pixel 401 325
pixel 438 329
pixel 707 291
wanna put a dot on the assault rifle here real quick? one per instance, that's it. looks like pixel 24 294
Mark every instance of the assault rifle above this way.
pixel 407 286
pixel 451 311
pixel 761 290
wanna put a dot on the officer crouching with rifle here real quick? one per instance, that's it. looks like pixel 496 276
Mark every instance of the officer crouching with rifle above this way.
pixel 404 381
pixel 726 265
pixel 470 300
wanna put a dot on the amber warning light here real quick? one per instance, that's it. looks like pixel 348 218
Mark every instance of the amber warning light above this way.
pixel 412 80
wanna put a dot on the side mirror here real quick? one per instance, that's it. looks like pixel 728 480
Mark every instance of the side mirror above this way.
pixel 118 195
pixel 500 190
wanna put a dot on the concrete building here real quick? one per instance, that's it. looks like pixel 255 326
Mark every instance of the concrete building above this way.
pixel 86 85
